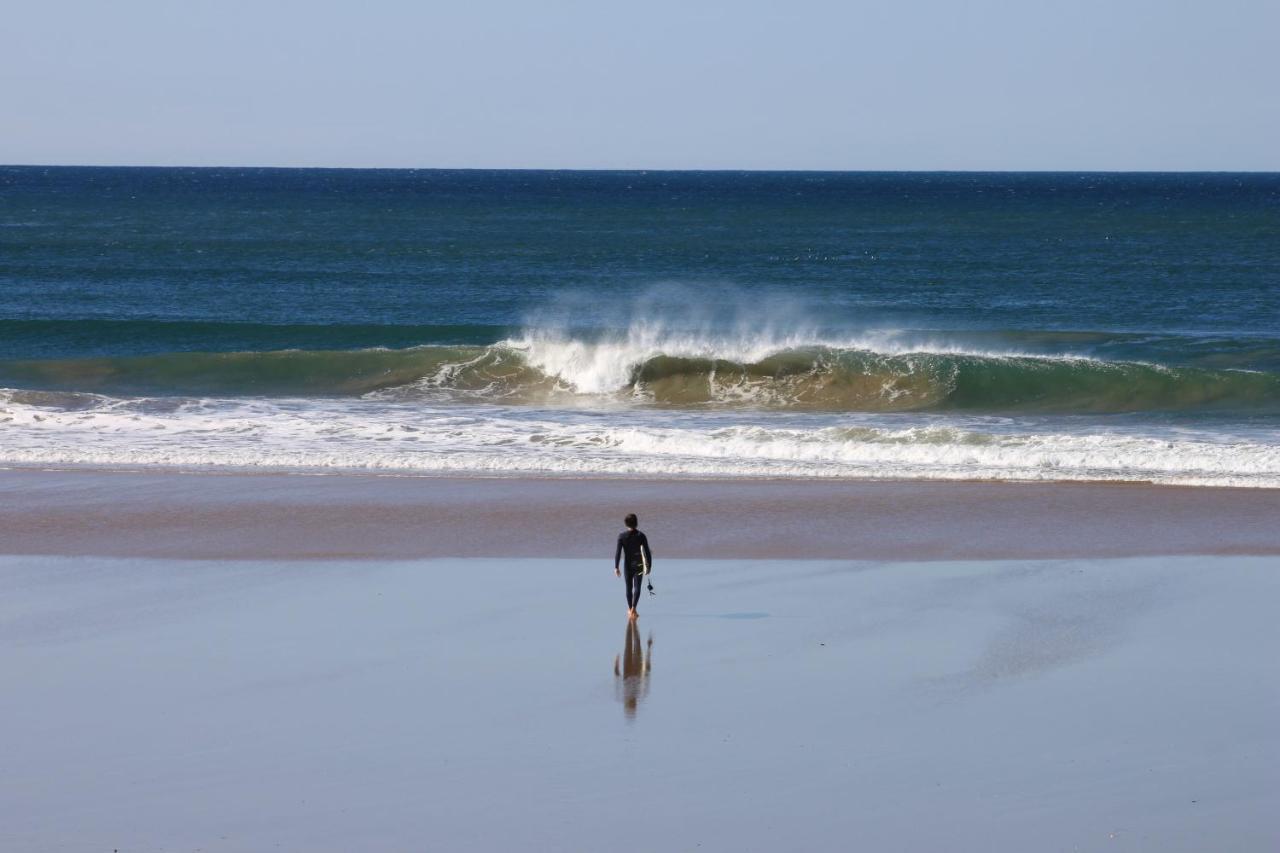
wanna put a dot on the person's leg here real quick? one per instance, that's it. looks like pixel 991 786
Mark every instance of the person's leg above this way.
pixel 633 586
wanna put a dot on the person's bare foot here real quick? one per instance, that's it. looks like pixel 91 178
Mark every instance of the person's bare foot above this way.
pixel 632 614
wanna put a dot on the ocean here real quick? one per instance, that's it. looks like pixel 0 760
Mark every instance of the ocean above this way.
pixel 1005 326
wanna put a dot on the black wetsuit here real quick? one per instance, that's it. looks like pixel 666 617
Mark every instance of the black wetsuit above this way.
pixel 635 547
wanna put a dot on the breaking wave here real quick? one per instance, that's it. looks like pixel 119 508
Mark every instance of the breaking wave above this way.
pixel 701 373
pixel 655 401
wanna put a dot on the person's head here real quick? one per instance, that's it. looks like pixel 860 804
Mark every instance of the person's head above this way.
pixel 630 521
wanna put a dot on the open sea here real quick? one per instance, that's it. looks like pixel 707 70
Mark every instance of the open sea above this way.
pixel 1007 326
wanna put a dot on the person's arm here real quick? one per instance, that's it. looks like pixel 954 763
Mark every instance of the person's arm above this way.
pixel 617 556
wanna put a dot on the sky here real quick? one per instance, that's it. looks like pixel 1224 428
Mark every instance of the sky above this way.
pixel 793 84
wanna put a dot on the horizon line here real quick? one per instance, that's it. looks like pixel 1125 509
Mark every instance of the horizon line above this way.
pixel 645 170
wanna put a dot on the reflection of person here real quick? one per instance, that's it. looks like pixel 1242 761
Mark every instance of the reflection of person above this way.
pixel 639 560
pixel 632 669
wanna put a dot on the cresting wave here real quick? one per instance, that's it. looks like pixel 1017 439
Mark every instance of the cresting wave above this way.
pixel 660 402
pixel 695 373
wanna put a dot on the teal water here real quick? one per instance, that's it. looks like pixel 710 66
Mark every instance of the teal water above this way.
pixel 1069 326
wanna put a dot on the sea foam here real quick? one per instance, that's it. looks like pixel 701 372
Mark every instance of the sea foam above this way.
pixel 303 434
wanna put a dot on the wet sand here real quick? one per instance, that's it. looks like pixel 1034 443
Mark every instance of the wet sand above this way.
pixel 262 516
pixel 493 705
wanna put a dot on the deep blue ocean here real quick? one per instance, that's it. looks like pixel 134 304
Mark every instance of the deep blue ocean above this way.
pixel 700 324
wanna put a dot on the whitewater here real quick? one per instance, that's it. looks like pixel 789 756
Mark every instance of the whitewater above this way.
pixel 653 402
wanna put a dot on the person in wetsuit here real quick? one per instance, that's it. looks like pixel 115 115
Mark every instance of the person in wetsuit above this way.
pixel 634 547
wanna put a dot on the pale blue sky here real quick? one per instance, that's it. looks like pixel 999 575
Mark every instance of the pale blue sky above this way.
pixel 912 84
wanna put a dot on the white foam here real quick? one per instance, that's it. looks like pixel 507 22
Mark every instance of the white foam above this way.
pixel 389 436
pixel 607 364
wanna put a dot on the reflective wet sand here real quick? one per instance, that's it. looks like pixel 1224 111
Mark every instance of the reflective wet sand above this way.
pixel 506 704
pixel 631 669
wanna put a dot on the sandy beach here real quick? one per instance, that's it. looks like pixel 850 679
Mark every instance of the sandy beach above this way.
pixel 478 704
pixel 264 516
pixel 237 662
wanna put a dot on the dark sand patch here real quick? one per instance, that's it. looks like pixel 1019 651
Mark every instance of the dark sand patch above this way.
pixel 226 516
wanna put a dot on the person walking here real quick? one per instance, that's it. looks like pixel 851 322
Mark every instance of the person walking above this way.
pixel 636 561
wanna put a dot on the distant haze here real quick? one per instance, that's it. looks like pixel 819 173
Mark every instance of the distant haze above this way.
pixel 929 84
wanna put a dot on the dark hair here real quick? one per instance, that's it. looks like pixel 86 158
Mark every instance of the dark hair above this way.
pixel 630 520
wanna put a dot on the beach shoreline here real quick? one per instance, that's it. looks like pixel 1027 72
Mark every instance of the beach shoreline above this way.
pixel 226 515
